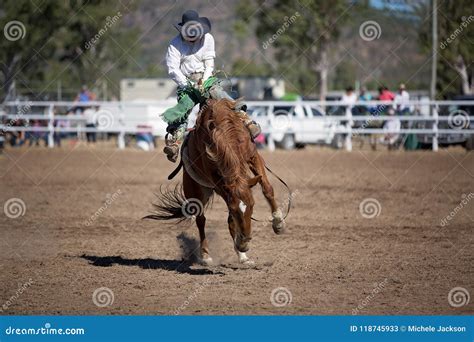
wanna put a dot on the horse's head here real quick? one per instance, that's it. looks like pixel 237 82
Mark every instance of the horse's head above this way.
pixel 240 214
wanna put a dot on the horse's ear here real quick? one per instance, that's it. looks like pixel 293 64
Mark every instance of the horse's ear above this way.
pixel 253 181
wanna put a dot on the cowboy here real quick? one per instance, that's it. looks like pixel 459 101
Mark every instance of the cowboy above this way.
pixel 190 62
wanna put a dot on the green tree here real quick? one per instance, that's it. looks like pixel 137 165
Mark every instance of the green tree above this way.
pixel 456 45
pixel 75 42
pixel 304 29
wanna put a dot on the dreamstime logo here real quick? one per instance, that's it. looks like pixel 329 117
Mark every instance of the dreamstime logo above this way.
pixel 370 30
pixel 465 200
pixel 108 202
pixel 192 207
pixel 14 30
pixel 370 208
pixel 465 22
pixel 282 207
pixel 192 30
pixel 102 297
pixel 281 296
pixel 104 119
pixel 281 30
pixel 14 208
pixel 458 119
pixel 458 296
pixel 21 110
pixel 17 294
pixel 109 22
pixel 192 296
pixel 378 287
pixel 281 120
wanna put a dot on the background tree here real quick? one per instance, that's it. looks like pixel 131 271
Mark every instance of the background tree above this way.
pixel 309 38
pixel 72 42
pixel 456 55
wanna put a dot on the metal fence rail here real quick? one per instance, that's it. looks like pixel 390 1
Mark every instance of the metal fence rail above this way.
pixel 458 121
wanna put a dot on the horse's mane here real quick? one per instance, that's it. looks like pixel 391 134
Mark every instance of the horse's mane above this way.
pixel 227 144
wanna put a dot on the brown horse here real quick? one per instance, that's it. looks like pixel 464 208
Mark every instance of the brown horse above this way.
pixel 219 157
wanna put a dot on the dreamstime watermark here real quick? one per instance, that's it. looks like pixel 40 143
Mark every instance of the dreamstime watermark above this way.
pixel 192 296
pixel 47 329
pixel 102 297
pixel 104 119
pixel 281 120
pixel 373 116
pixel 370 208
pixel 21 110
pixel 109 22
pixel 458 119
pixel 14 208
pixel 281 30
pixel 192 207
pixel 378 287
pixel 452 37
pixel 458 296
pixel 281 296
pixel 282 207
pixel 17 295
pixel 192 30
pixel 370 30
pixel 108 202
pixel 14 30
pixel 465 200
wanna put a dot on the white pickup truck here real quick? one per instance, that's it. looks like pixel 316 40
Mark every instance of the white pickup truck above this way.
pixel 295 124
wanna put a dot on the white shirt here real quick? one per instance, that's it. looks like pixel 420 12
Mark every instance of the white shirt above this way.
pixel 402 100
pixel 184 58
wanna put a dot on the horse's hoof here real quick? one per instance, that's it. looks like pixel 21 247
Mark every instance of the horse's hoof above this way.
pixel 278 226
pixel 248 262
pixel 278 222
pixel 207 261
pixel 244 259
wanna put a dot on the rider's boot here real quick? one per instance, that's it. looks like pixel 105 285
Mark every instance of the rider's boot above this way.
pixel 173 139
pixel 252 126
pixel 217 92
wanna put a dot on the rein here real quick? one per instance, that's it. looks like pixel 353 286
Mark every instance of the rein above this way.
pixel 289 195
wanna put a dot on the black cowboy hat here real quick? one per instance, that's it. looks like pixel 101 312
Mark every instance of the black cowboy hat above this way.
pixel 193 25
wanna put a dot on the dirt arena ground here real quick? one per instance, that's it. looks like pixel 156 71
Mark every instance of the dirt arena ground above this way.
pixel 81 231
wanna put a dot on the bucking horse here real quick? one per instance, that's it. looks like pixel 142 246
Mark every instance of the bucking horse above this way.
pixel 219 156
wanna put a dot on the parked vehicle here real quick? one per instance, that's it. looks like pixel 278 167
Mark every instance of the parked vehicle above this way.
pixel 293 125
pixel 458 119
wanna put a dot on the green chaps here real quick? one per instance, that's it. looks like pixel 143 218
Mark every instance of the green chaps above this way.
pixel 188 97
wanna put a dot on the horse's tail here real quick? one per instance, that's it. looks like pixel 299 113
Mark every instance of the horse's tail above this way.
pixel 171 205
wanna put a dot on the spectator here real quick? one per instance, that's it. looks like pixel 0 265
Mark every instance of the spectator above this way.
pixel 90 116
pixel 58 136
pixel 364 95
pixel 385 94
pixel 349 98
pixel 402 100
pixel 37 134
pixel 392 125
pixel 145 140
pixel 85 95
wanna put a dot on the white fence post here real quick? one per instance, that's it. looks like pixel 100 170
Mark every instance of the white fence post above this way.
pixel 348 142
pixel 51 126
pixel 435 128
pixel 121 140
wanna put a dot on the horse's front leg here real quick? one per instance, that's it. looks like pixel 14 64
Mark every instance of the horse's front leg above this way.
pixel 243 258
pixel 258 168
